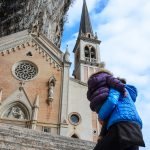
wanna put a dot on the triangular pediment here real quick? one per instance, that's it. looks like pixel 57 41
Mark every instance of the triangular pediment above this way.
pixel 17 97
pixel 39 42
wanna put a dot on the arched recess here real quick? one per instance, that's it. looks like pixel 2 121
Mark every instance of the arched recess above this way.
pixel 90 53
pixel 93 53
pixel 75 136
pixel 20 99
pixel 87 53
pixel 15 110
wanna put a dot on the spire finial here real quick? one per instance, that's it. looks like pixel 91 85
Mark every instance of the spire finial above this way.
pixel 96 35
pixel 85 24
pixel 67 48
pixel 67 55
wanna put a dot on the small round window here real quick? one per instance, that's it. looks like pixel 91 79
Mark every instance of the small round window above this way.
pixel 25 70
pixel 74 118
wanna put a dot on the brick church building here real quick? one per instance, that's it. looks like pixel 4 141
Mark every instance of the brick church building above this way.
pixel 36 90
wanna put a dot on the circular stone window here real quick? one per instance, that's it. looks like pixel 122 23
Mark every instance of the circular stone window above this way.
pixel 74 118
pixel 25 70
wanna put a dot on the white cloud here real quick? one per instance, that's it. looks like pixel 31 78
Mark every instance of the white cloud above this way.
pixel 125 35
pixel 75 11
pixel 124 29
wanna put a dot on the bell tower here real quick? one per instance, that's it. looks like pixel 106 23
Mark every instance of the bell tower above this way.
pixel 86 50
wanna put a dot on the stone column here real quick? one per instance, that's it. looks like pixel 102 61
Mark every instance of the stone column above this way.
pixel 35 113
pixel 65 91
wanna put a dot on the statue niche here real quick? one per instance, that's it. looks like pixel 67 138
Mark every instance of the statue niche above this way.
pixel 52 83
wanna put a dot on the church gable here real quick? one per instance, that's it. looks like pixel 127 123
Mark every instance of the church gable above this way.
pixel 23 41
pixel 31 60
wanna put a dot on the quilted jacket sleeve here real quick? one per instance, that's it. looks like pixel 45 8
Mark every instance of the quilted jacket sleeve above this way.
pixel 116 84
pixel 132 91
pixel 109 104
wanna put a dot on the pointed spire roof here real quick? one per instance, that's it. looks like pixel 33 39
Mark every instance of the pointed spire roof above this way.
pixel 85 24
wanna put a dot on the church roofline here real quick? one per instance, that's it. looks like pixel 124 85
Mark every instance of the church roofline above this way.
pixel 78 81
pixel 11 42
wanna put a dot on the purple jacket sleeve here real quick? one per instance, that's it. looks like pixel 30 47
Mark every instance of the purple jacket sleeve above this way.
pixel 116 84
pixel 109 104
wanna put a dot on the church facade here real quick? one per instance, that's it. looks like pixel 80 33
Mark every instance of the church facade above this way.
pixel 36 90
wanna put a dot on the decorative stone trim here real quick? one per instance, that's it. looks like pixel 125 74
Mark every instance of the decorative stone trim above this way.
pixel 37 48
pixel 15 43
pixel 24 70
pixel 90 40
pixel 20 105
pixel 76 115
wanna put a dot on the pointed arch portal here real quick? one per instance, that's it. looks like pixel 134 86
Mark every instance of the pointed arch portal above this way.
pixel 75 136
pixel 16 110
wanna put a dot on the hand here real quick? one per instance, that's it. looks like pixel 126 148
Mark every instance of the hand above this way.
pixel 99 138
pixel 100 121
pixel 125 94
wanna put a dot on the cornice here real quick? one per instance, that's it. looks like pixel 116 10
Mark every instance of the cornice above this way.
pixel 12 41
pixel 78 81
pixel 89 63
pixel 90 40
pixel 96 41
pixel 18 43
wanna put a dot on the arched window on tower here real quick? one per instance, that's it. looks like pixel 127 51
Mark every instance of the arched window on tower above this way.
pixel 90 53
pixel 87 53
pixel 89 35
pixel 93 54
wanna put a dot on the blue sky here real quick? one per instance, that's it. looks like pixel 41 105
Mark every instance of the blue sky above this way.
pixel 123 26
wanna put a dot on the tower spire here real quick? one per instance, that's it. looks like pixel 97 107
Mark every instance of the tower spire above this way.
pixel 85 23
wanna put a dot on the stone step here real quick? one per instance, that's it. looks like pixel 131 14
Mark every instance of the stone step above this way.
pixel 15 138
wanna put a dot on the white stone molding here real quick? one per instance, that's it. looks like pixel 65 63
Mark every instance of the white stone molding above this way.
pixel 25 70
pixel 15 43
pixel 28 41
pixel 35 112
pixel 66 56
pixel 18 98
pixel 65 99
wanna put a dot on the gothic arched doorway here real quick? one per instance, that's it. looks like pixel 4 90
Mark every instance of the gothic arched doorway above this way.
pixel 75 136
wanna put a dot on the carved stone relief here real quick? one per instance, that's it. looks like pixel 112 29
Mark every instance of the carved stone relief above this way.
pixel 24 70
pixel 15 112
pixel 52 83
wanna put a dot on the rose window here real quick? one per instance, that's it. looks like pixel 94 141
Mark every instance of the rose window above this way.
pixel 25 70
